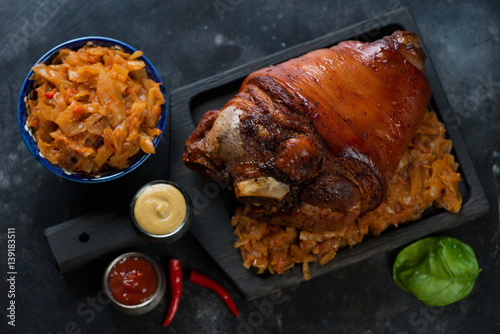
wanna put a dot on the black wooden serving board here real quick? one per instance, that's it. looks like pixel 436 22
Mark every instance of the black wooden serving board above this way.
pixel 213 205
pixel 78 241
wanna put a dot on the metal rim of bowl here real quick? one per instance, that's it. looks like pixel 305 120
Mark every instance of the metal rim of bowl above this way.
pixel 169 237
pixel 27 89
pixel 145 306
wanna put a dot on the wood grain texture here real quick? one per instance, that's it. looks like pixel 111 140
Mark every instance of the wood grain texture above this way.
pixel 213 206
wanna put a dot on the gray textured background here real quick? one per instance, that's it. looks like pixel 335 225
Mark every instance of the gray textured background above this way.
pixel 191 40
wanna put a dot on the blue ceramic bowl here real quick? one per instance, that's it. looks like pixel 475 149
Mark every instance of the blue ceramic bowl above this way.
pixel 27 89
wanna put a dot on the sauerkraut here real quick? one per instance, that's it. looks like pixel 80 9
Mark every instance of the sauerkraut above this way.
pixel 94 109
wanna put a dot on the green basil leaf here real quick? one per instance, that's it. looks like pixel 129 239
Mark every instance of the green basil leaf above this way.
pixel 436 270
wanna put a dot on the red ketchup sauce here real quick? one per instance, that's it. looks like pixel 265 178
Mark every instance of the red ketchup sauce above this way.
pixel 132 281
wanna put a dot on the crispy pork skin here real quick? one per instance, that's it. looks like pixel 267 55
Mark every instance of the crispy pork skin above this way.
pixel 312 142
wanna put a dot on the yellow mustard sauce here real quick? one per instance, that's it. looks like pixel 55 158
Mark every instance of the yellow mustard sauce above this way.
pixel 160 209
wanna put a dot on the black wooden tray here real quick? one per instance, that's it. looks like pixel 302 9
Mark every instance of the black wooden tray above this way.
pixel 213 206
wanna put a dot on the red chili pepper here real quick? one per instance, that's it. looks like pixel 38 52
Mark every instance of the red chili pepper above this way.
pixel 175 273
pixel 50 94
pixel 209 283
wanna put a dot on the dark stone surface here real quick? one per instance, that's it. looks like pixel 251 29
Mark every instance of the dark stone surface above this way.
pixel 188 41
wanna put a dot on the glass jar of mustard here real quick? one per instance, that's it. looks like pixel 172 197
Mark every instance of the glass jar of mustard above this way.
pixel 161 212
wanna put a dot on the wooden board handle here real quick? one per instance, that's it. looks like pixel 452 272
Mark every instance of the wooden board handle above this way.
pixel 78 241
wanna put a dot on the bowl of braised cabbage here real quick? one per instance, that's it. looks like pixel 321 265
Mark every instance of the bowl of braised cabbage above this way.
pixel 92 109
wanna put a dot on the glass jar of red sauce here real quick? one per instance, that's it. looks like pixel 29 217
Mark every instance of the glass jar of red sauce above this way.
pixel 134 283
